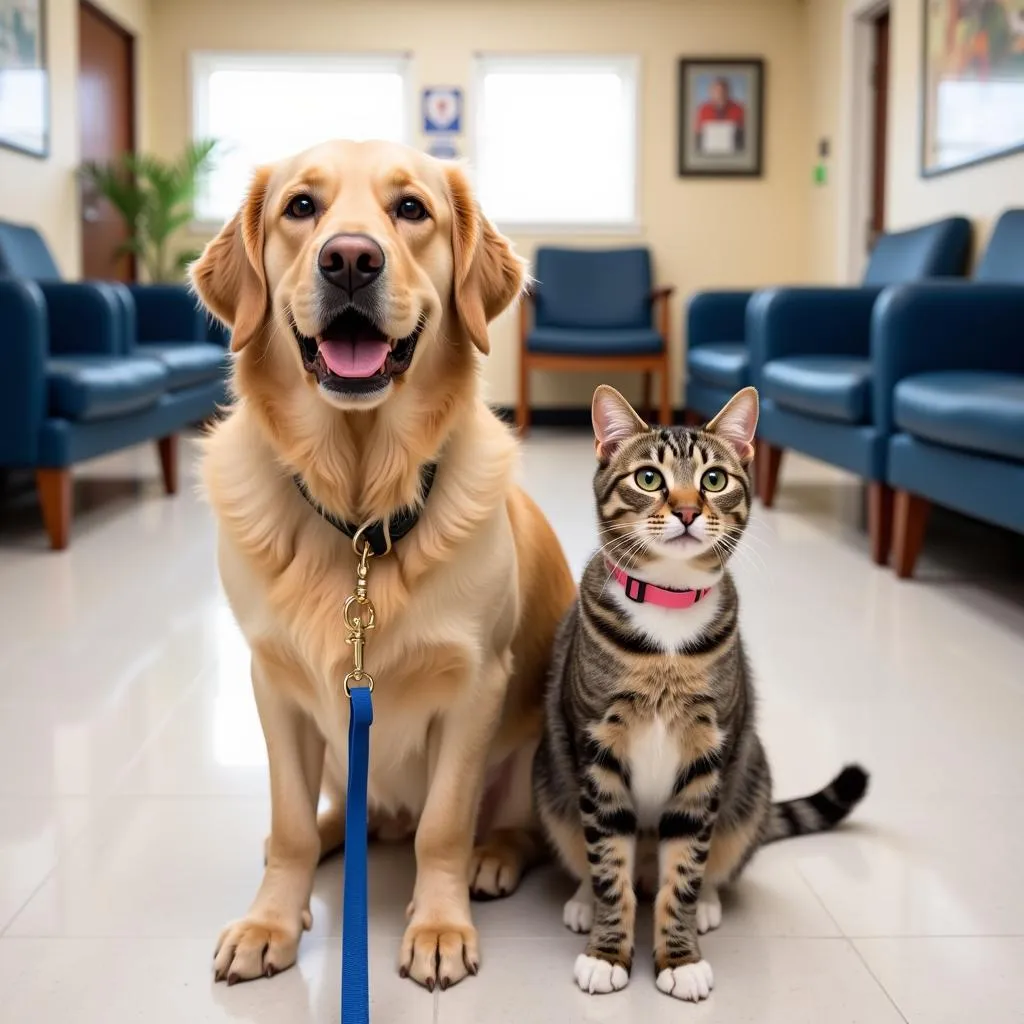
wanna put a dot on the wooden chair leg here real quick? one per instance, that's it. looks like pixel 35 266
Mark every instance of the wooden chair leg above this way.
pixel 523 408
pixel 55 497
pixel 666 395
pixel 880 521
pixel 648 404
pixel 168 447
pixel 910 520
pixel 769 459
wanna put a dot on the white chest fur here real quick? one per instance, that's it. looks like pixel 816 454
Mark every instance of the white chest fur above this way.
pixel 669 628
pixel 653 767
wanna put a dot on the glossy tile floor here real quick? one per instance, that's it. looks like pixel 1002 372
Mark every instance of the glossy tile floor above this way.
pixel 133 796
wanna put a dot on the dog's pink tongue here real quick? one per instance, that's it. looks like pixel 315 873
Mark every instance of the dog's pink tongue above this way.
pixel 354 358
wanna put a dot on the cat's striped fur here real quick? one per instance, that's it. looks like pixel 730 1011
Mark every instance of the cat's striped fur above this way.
pixel 649 744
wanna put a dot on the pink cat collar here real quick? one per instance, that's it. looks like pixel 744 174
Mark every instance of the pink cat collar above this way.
pixel 648 593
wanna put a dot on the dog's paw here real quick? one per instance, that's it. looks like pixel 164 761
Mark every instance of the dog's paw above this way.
pixel 495 870
pixel 578 912
pixel 439 954
pixel 692 982
pixel 709 910
pixel 252 948
pixel 598 977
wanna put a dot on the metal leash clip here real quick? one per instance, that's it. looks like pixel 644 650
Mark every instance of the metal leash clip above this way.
pixel 360 615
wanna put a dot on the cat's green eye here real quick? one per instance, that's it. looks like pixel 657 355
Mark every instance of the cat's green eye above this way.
pixel 714 480
pixel 649 480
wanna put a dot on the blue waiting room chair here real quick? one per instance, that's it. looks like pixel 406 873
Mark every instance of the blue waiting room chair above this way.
pixel 595 310
pixel 717 346
pixel 949 393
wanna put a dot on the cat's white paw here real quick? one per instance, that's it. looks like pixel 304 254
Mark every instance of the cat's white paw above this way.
pixel 692 982
pixel 709 910
pixel 598 976
pixel 578 913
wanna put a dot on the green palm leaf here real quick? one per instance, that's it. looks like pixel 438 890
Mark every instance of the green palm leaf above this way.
pixel 154 198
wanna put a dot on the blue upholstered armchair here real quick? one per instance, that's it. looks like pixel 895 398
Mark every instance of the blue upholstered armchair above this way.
pixel 595 310
pixel 810 353
pixel 717 346
pixel 87 368
pixel 949 393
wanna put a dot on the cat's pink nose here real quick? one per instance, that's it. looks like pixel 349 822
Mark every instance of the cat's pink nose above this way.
pixel 687 514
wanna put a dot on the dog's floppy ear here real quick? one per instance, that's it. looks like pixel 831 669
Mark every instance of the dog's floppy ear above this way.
pixel 229 276
pixel 488 274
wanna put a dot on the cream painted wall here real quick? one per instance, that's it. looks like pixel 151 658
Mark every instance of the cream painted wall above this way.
pixel 703 233
pixel 824 29
pixel 43 192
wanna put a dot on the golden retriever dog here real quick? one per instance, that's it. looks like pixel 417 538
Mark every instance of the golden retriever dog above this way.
pixel 359 280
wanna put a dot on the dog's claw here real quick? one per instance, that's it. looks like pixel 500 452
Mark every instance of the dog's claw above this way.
pixel 403 971
pixel 430 984
pixel 233 979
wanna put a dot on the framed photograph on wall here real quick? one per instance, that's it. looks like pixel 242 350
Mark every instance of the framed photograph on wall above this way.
pixel 973 88
pixel 721 117
pixel 24 89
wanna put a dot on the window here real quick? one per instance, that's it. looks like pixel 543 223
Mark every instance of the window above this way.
pixel 263 107
pixel 556 141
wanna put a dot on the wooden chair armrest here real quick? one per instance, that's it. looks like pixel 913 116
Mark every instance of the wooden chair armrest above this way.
pixel 664 292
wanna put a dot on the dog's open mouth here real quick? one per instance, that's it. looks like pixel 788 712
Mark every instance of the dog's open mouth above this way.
pixel 352 355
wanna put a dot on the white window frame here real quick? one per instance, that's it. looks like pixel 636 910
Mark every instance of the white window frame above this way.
pixel 203 62
pixel 627 65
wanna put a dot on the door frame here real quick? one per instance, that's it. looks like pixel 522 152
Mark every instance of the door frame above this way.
pixel 857 130
pixel 133 101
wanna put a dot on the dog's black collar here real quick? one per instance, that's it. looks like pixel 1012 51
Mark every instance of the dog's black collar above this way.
pixel 379 535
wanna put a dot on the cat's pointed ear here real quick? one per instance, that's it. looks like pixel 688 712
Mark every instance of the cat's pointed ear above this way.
pixel 615 420
pixel 736 424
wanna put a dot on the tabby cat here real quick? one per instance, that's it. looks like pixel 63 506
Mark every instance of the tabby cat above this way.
pixel 650 763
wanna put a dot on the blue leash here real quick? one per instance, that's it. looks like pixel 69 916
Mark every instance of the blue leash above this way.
pixel 355 969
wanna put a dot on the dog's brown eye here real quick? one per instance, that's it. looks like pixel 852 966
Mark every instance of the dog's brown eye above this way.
pixel 410 209
pixel 300 207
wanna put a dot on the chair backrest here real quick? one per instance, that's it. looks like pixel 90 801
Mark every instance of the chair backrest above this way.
pixel 24 254
pixel 941 249
pixel 1003 262
pixel 608 288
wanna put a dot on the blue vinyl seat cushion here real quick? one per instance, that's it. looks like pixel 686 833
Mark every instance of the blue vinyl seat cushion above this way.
pixel 970 409
pixel 725 363
pixel 89 387
pixel 567 341
pixel 187 363
pixel 830 387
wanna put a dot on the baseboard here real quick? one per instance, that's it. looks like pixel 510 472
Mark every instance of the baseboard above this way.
pixel 559 415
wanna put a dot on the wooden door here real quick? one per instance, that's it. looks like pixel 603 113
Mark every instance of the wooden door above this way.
pixel 106 111
pixel 880 128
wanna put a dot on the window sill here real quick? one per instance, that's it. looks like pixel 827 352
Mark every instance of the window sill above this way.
pixel 534 229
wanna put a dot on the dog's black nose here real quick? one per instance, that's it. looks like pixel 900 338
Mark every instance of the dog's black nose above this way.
pixel 351 262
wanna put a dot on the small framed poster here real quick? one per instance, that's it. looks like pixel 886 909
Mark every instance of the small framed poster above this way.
pixel 442 110
pixel 721 117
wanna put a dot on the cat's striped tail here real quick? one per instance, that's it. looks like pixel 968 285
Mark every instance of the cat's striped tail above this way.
pixel 821 810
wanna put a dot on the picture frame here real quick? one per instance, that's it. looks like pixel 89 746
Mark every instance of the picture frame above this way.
pixel 721 117
pixel 972 83
pixel 24 79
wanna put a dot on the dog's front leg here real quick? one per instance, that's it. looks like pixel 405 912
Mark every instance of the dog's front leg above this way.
pixel 266 940
pixel 440 944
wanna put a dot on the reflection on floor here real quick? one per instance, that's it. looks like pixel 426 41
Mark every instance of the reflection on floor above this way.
pixel 133 793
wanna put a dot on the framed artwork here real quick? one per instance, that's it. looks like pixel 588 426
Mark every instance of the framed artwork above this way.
pixel 973 88
pixel 24 88
pixel 721 117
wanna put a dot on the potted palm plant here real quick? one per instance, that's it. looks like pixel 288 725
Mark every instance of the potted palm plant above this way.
pixel 154 197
